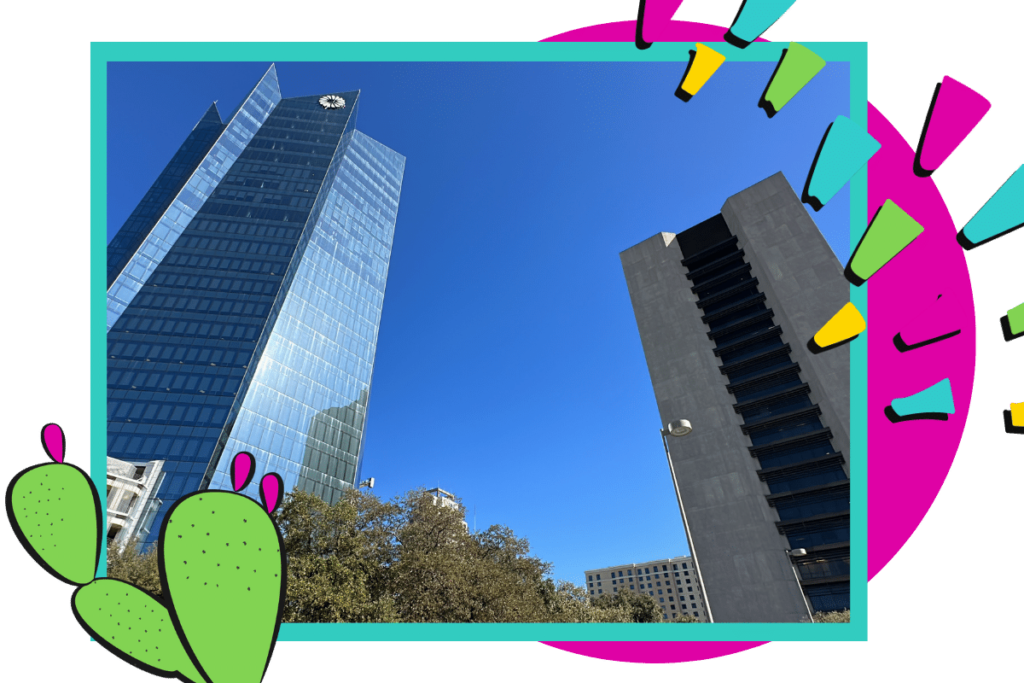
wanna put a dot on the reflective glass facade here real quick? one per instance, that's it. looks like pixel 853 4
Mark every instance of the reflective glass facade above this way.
pixel 810 490
pixel 256 327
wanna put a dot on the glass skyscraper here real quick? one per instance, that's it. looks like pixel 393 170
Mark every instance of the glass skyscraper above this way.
pixel 244 298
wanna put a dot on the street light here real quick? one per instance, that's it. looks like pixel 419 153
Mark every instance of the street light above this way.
pixel 368 483
pixel 680 428
pixel 800 552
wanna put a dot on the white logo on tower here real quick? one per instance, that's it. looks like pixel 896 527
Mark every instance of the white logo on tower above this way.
pixel 332 102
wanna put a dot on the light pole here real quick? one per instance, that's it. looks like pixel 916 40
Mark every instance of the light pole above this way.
pixel 680 428
pixel 799 552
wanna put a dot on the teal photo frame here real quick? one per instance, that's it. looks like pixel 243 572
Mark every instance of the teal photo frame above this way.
pixel 853 53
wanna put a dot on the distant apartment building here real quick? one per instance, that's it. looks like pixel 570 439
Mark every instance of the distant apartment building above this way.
pixel 131 498
pixel 672 583
pixel 447 499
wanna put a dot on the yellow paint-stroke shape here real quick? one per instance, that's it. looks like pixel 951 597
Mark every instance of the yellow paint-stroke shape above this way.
pixel 1017 414
pixel 846 324
pixel 705 64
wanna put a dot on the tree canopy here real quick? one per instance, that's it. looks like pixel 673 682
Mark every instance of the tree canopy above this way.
pixel 411 559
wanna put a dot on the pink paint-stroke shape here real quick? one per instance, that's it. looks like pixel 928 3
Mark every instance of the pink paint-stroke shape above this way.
pixel 241 470
pixel 658 28
pixel 958 109
pixel 270 491
pixel 654 652
pixel 909 461
pixel 53 442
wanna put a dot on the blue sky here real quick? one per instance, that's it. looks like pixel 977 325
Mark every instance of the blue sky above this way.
pixel 509 368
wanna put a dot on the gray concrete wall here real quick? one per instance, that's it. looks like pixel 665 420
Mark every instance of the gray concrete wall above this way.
pixel 746 573
pixel 803 284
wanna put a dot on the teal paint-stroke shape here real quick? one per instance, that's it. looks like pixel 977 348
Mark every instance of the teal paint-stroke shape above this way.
pixel 1002 213
pixel 757 16
pixel 938 398
pixel 846 149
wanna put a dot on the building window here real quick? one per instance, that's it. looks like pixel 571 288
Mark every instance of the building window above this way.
pixel 616 590
pixel 684 565
pixel 591 592
pixel 686 573
pixel 677 573
pixel 675 566
pixel 613 581
pixel 629 572
pixel 598 577
pixel 659 593
pixel 661 599
pixel 647 570
pixel 599 583
pixel 650 592
pixel 620 572
pixel 678 582
pixel 669 590
pixel 590 578
pixel 687 581
pixel 690 589
pixel 659 583
pixel 600 591
pixel 671 599
pixel 693 606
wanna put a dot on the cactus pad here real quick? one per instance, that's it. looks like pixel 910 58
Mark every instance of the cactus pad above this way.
pixel 55 512
pixel 135 626
pixel 222 567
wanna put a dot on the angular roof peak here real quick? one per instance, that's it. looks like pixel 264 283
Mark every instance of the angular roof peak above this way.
pixel 212 115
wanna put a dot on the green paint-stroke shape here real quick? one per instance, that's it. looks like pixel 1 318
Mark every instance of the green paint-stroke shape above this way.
pixel 1003 212
pixel 1015 316
pixel 798 67
pixel 224 577
pixel 54 509
pixel 889 234
pixel 133 622
pixel 938 398
pixel 847 148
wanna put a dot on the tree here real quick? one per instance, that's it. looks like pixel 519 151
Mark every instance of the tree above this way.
pixel 842 617
pixel 413 560
pixel 125 562
pixel 686 619
pixel 330 564
pixel 638 608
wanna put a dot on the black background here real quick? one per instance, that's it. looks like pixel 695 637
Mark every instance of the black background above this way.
pixel 930 593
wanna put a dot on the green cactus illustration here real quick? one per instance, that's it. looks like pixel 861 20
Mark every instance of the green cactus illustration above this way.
pixel 223 570
pixel 55 512
pixel 135 626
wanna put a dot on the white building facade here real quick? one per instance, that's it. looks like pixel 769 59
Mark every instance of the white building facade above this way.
pixel 446 499
pixel 131 499
pixel 672 583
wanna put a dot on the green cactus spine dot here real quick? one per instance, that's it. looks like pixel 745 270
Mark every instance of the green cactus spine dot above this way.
pixel 224 573
pixel 134 624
